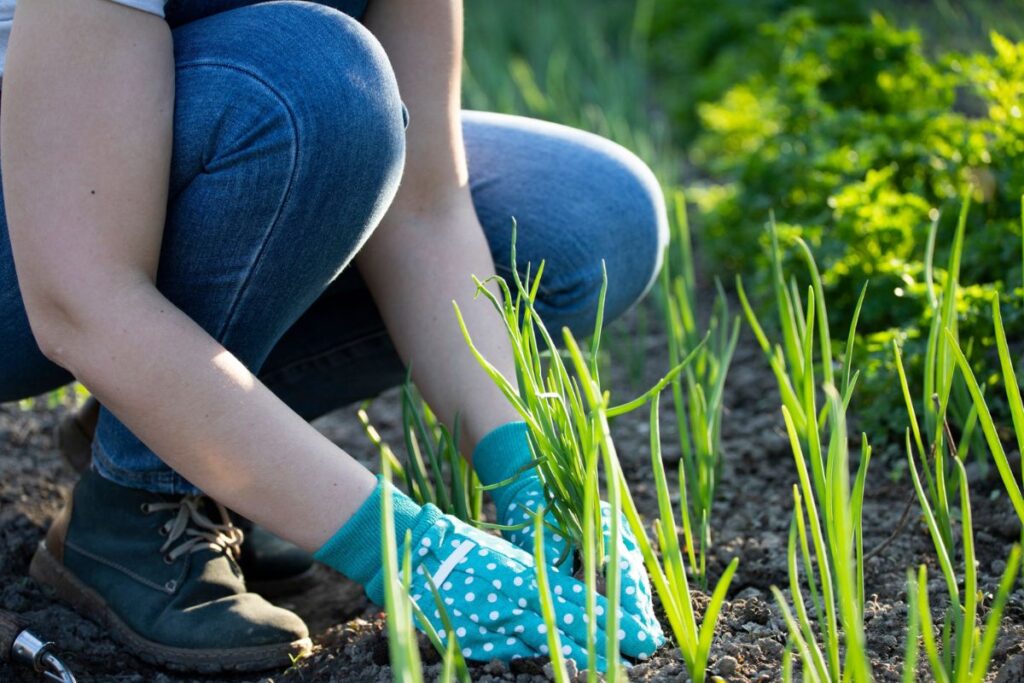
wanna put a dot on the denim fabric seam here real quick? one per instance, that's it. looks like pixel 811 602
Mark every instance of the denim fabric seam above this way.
pixel 165 481
pixel 295 165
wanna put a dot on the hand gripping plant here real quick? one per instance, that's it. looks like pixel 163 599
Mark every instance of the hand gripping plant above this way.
pixel 567 414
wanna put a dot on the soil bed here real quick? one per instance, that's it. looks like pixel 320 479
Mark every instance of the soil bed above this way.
pixel 751 520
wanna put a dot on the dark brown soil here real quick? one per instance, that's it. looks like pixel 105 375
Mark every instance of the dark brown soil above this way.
pixel 751 521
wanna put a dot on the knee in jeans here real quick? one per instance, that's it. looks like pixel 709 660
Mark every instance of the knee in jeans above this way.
pixel 627 232
pixel 647 228
pixel 337 79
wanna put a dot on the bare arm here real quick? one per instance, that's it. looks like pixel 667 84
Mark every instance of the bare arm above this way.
pixel 431 236
pixel 85 130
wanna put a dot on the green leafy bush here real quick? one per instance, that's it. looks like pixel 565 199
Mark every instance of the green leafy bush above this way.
pixel 857 140
pixel 702 48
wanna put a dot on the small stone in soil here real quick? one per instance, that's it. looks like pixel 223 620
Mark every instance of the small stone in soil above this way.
pixel 570 669
pixel 726 666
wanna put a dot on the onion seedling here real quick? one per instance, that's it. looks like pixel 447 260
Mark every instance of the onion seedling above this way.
pixel 435 471
pixel 699 414
pixel 941 390
pixel 669 573
pixel 963 652
pixel 793 360
pixel 836 650
pixel 988 426
pixel 403 643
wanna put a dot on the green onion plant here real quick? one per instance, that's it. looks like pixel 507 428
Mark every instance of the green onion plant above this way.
pixel 434 471
pixel 793 360
pixel 963 651
pixel 830 642
pixel 668 573
pixel 826 534
pixel 698 407
pixel 943 392
pixel 403 643
pixel 1013 398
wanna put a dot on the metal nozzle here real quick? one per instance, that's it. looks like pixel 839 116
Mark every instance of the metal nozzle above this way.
pixel 29 650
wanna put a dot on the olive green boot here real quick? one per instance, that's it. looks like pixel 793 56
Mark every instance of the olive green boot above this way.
pixel 160 574
pixel 272 566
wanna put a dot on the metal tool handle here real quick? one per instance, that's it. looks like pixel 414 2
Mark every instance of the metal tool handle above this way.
pixel 21 646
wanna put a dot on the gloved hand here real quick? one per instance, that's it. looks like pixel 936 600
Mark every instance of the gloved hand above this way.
pixel 487 585
pixel 500 456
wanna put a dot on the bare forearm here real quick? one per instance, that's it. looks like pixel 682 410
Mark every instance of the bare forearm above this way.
pixel 416 266
pixel 206 415
pixel 430 242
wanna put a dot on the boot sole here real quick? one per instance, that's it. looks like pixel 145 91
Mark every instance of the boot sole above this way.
pixel 65 586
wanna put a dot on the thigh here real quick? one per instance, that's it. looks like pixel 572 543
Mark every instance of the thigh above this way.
pixel 288 144
pixel 578 200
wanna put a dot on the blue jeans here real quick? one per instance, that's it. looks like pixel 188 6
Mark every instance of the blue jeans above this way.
pixel 288 147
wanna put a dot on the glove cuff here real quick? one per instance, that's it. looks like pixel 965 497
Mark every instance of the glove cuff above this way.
pixel 500 455
pixel 355 549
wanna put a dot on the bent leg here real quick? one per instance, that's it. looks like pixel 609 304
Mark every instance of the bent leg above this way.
pixel 578 200
pixel 289 145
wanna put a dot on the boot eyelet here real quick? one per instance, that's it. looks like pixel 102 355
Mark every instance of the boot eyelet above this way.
pixel 171 585
pixel 168 559
pixel 144 508
pixel 163 531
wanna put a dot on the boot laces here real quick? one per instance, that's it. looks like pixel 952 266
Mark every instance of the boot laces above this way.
pixel 195 531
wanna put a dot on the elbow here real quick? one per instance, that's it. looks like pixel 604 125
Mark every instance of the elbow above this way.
pixel 78 319
pixel 56 329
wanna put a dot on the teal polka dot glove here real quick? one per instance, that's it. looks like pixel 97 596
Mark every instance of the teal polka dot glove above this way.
pixel 500 456
pixel 486 584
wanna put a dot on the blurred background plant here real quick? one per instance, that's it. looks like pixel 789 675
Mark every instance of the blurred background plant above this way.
pixel 859 135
